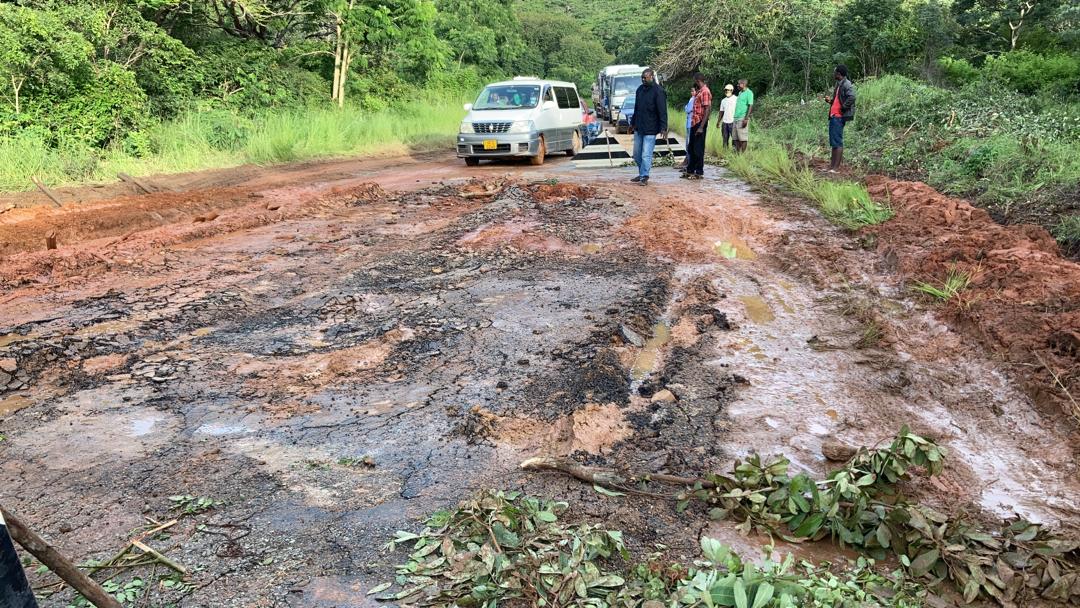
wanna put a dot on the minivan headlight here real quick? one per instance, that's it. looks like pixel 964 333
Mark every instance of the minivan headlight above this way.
pixel 466 127
pixel 521 126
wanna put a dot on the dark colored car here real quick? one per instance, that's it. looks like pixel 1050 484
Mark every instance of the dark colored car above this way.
pixel 622 124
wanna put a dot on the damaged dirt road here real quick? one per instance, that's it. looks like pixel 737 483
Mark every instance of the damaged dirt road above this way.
pixel 296 370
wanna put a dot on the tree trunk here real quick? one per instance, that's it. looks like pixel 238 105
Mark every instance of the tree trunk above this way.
pixel 60 565
pixel 1014 28
pixel 338 46
pixel 773 67
pixel 807 65
pixel 346 59
pixel 16 86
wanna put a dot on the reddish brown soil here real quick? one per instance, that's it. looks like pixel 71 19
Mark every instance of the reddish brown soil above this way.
pixel 1024 298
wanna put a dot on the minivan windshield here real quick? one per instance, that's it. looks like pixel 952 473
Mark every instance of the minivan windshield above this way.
pixel 508 97
pixel 625 84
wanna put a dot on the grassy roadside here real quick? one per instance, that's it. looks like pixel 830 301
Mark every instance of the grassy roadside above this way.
pixel 218 138
pixel 1016 156
pixel 769 163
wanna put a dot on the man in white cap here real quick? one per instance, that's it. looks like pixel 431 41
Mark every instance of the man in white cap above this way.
pixel 726 121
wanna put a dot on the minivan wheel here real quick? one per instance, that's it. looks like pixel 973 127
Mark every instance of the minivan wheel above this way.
pixel 471 161
pixel 540 153
pixel 576 146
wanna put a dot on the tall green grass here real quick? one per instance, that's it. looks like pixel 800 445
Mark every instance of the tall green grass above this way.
pixel 768 162
pixel 1016 155
pixel 844 202
pixel 218 138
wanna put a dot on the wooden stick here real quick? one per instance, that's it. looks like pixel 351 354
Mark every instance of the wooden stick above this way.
pixel 60 565
pixel 50 240
pixel 131 180
pixel 159 528
pixel 49 193
pixel 152 552
pixel 608 477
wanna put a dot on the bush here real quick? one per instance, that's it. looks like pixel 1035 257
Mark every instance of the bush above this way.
pixel 101 113
pixel 1030 73
pixel 957 72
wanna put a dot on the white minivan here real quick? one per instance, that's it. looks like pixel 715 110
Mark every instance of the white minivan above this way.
pixel 521 117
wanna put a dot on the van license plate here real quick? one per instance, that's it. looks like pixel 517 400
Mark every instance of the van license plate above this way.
pixel 491 144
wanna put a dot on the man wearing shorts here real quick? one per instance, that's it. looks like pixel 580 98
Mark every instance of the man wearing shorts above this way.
pixel 744 107
pixel 841 110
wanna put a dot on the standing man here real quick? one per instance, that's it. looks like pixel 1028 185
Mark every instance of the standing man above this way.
pixel 726 121
pixel 744 107
pixel 699 128
pixel 648 121
pixel 689 110
pixel 841 110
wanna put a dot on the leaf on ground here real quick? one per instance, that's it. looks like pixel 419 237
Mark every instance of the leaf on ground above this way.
pixel 379 588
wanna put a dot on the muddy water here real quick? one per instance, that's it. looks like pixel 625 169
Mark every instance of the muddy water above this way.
pixel 255 366
pixel 757 309
pixel 13 403
pixel 645 362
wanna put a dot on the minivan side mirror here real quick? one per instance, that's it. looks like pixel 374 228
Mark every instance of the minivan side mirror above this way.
pixel 592 112
pixel 550 105
pixel 468 107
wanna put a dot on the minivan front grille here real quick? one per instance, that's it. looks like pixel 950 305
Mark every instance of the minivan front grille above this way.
pixel 491 127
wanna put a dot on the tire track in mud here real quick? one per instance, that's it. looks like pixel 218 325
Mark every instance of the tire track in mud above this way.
pixel 451 332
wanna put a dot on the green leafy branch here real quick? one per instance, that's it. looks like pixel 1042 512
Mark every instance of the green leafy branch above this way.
pixel 860 505
pixel 502 546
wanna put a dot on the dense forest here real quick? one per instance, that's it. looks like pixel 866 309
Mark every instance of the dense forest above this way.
pixel 93 86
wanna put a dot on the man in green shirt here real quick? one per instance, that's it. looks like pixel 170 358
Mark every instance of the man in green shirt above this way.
pixel 744 106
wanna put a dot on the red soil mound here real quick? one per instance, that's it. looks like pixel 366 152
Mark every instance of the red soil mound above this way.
pixel 1024 298
pixel 557 193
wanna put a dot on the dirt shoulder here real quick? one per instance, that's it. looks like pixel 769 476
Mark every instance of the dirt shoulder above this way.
pixel 377 348
pixel 1023 299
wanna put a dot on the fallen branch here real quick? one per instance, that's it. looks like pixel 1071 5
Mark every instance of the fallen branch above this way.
pixel 608 478
pixel 60 565
pixel 49 193
pixel 131 180
pixel 152 552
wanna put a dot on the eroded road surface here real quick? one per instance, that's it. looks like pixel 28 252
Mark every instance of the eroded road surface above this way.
pixel 330 359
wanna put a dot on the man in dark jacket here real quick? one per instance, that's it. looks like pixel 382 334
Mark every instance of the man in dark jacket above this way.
pixel 648 121
pixel 841 110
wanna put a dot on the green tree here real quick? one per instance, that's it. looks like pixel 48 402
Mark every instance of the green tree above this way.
pixel 484 33
pixel 878 34
pixel 809 29
pixel 701 33
pixel 935 30
pixel 558 46
pixel 987 26
pixel 39 54
pixel 164 68
pixel 578 60
pixel 379 33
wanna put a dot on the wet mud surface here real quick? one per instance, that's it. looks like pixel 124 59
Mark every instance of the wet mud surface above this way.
pixel 378 348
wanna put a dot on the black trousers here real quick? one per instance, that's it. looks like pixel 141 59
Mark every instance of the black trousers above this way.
pixel 695 149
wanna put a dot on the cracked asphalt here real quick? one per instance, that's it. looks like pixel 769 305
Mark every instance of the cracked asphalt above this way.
pixel 337 372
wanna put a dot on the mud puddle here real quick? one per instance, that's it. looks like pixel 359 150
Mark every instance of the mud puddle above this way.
pixel 646 360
